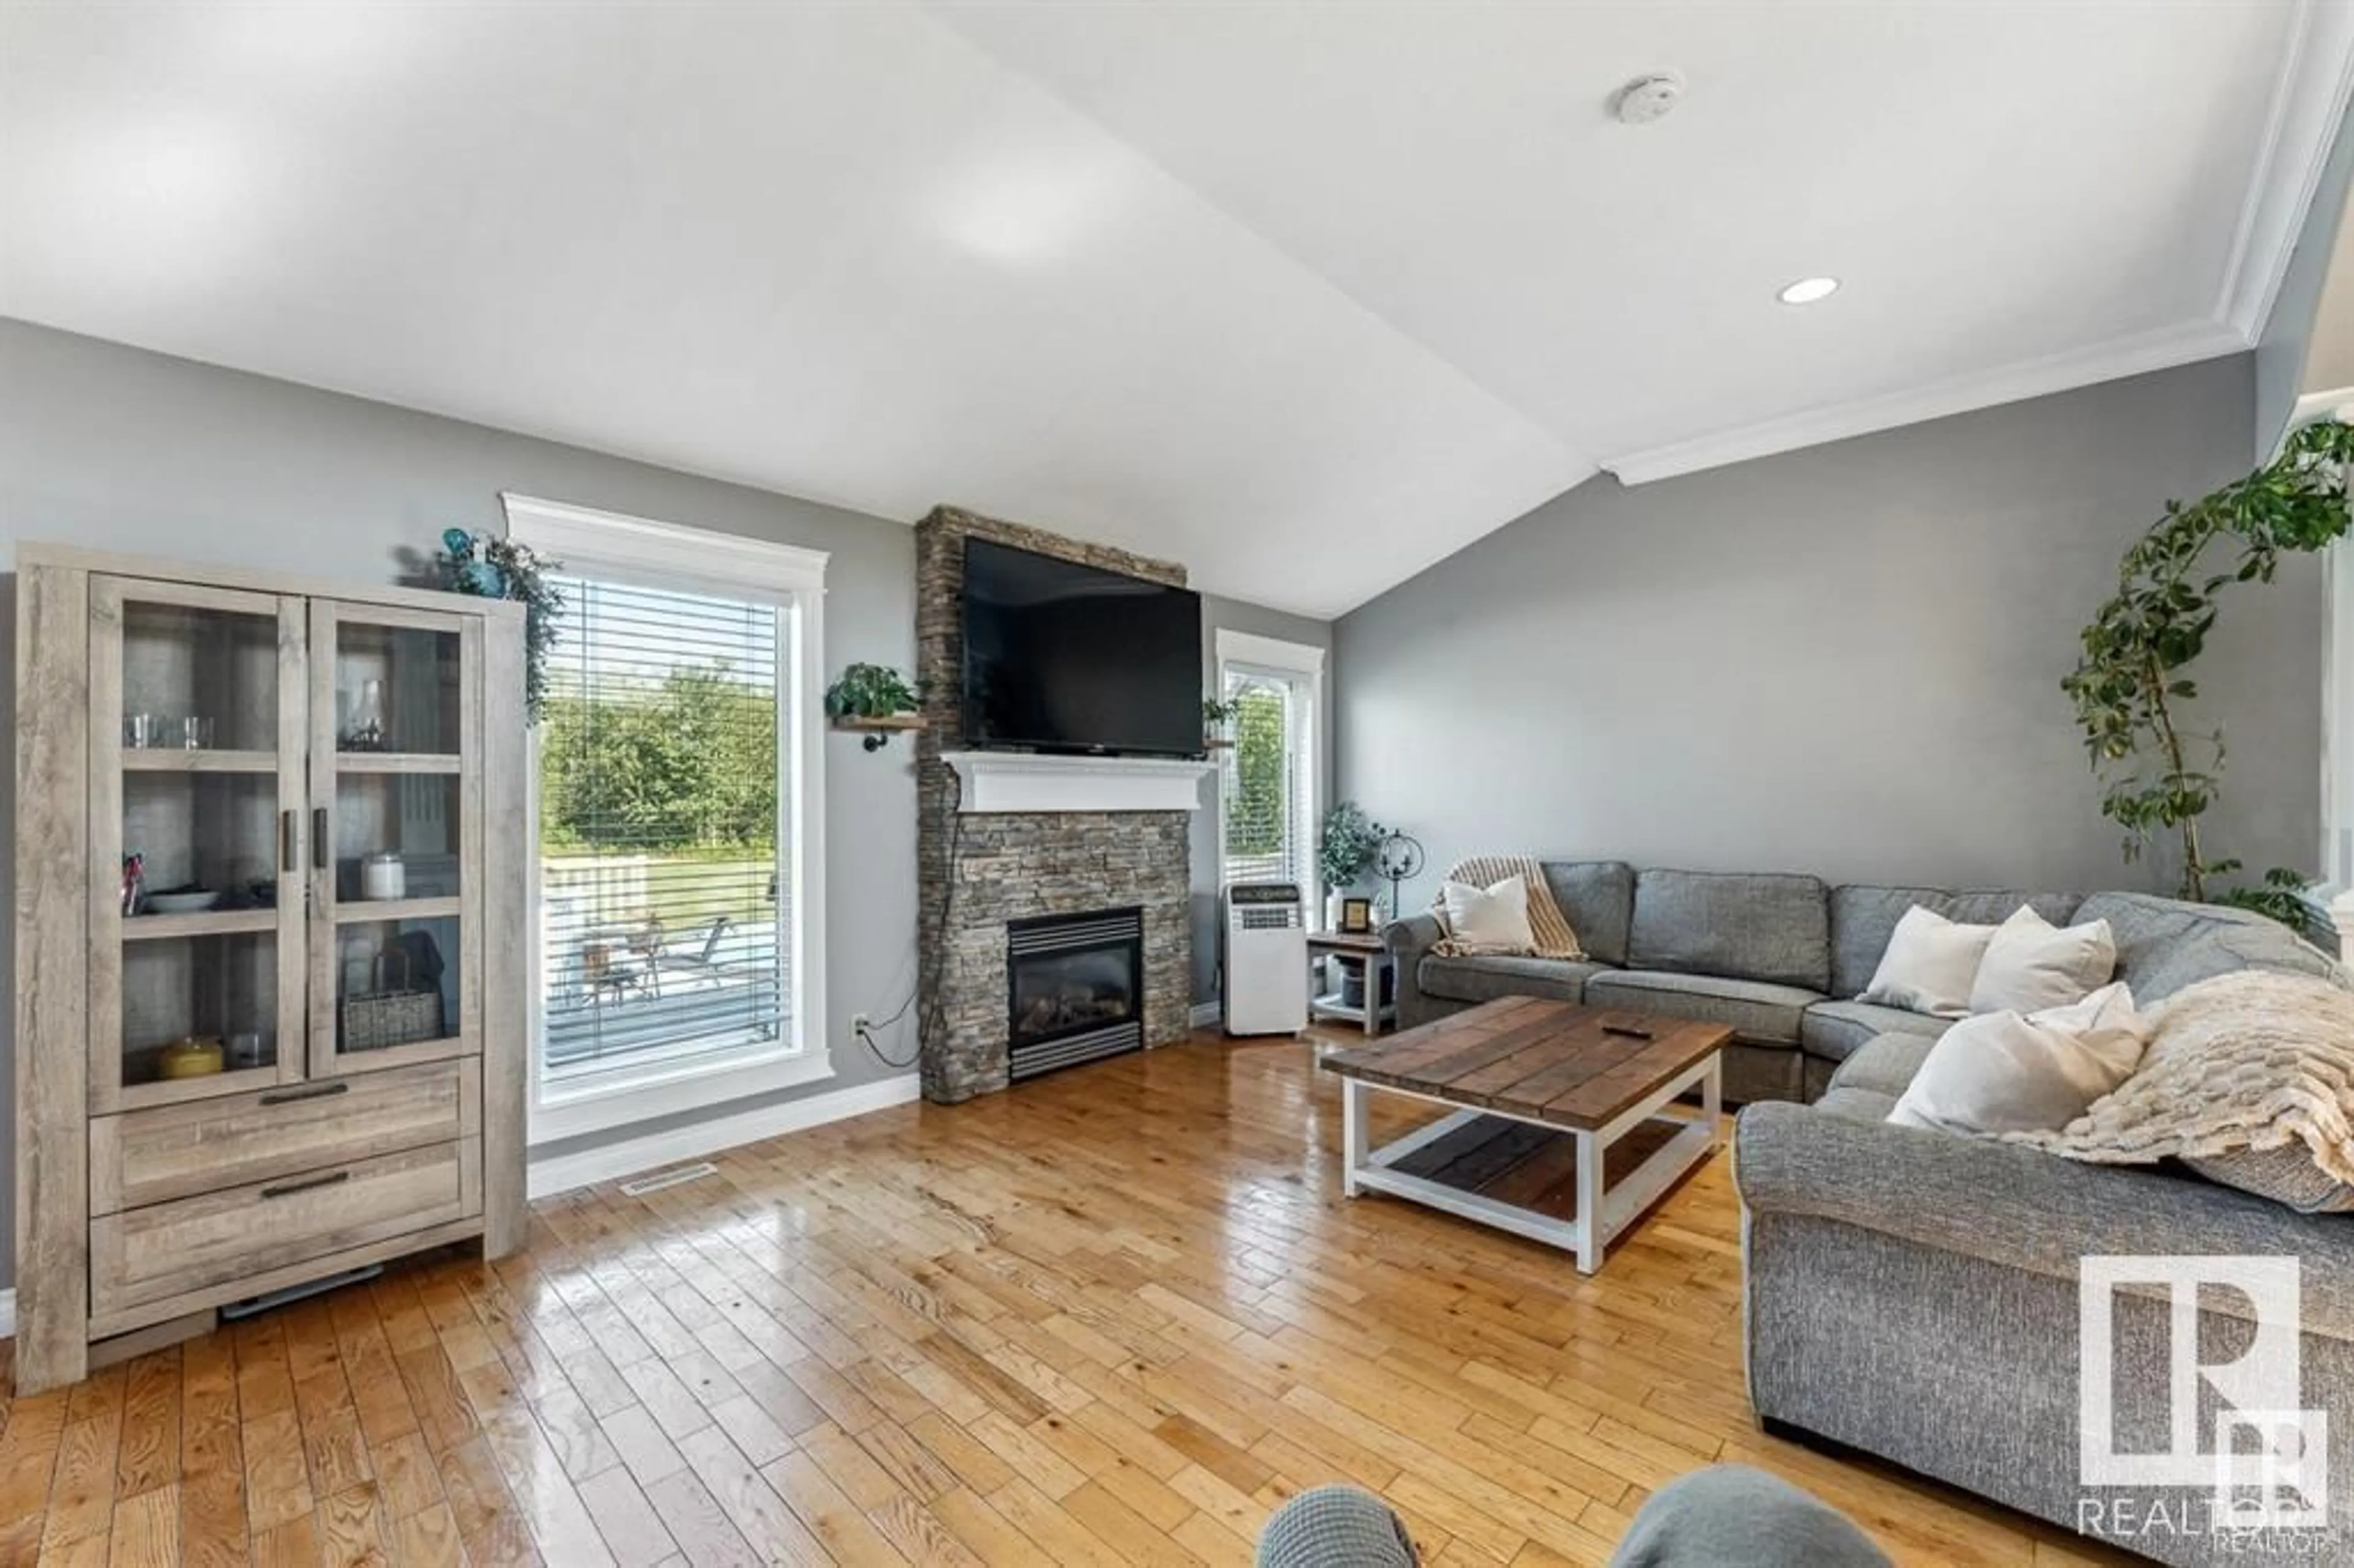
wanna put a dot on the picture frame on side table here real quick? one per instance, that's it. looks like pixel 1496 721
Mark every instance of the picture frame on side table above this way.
pixel 1357 916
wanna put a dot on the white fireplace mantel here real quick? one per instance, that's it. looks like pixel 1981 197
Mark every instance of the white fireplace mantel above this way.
pixel 1021 782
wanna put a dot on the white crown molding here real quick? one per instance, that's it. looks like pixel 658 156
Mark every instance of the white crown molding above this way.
pixel 1021 781
pixel 565 1171
pixel 2135 356
pixel 2314 86
pixel 2316 76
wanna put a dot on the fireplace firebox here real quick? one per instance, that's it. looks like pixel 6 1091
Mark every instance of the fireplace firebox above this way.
pixel 1074 989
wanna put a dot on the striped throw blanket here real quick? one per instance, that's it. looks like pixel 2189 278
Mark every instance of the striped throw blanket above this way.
pixel 1554 939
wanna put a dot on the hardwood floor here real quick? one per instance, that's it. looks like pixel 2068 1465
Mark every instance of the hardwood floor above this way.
pixel 1115 1316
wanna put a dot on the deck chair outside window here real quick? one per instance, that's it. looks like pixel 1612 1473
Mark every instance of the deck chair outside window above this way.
pixel 702 964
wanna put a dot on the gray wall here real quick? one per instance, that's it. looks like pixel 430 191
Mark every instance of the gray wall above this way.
pixel 115 449
pixel 1844 660
pixel 1258 621
pixel 2282 346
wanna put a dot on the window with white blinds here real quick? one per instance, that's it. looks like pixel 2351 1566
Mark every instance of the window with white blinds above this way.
pixel 665 813
pixel 678 815
pixel 1267 777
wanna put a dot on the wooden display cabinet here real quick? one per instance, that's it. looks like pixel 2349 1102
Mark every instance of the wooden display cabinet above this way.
pixel 254 740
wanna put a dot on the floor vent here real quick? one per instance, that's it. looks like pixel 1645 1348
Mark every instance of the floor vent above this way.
pixel 671 1178
pixel 253 1306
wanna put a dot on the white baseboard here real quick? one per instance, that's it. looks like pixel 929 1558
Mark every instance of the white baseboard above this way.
pixel 7 1314
pixel 1207 1014
pixel 564 1172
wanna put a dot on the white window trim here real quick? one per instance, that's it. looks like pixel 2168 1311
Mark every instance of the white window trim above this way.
pixel 1272 653
pixel 1276 656
pixel 665 554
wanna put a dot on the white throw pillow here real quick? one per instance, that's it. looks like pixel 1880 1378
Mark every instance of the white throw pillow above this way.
pixel 1930 964
pixel 2005 1071
pixel 1497 916
pixel 2032 964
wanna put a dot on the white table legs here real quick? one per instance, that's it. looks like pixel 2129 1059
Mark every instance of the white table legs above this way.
pixel 1604 1210
pixel 1377 964
pixel 1353 1134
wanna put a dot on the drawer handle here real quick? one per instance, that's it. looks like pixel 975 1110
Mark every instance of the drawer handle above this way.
pixel 288 1188
pixel 309 1092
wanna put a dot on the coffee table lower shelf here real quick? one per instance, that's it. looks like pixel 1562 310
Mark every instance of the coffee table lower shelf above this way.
pixel 1605 1177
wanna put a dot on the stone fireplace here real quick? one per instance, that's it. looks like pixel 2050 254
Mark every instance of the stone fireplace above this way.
pixel 1007 864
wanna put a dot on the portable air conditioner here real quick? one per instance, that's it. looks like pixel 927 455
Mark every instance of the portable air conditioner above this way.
pixel 1267 960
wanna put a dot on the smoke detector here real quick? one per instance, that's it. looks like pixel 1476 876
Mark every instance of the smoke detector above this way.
pixel 1648 97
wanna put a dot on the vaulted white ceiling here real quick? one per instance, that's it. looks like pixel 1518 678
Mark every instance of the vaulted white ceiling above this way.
pixel 1306 295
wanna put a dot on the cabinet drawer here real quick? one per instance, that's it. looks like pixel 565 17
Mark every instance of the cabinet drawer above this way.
pixel 154 1156
pixel 171 1249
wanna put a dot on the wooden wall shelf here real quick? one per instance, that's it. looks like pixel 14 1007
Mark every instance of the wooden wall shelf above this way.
pixel 879 730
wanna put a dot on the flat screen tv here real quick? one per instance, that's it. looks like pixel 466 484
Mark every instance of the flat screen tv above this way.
pixel 1062 657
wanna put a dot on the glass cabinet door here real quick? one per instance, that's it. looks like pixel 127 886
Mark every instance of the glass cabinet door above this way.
pixel 196 703
pixel 396 790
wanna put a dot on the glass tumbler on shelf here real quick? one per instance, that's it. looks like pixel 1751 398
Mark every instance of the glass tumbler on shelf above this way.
pixel 197 732
pixel 365 732
pixel 142 732
pixel 244 1050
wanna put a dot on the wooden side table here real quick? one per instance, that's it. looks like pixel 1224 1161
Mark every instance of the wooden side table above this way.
pixel 1366 949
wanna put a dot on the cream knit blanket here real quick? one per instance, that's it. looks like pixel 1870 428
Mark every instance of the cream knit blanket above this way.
pixel 1554 939
pixel 2253 1060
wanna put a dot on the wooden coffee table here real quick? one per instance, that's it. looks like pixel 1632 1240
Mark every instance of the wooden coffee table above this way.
pixel 1563 1131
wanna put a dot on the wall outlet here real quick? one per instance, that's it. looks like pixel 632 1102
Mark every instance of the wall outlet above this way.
pixel 859 1024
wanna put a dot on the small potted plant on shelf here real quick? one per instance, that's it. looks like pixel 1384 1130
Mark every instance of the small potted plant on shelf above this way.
pixel 1347 848
pixel 1345 852
pixel 874 698
pixel 1215 716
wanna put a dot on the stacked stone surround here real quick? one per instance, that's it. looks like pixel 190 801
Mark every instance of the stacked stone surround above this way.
pixel 978 871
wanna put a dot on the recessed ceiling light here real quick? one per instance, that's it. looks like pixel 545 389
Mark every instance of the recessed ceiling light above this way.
pixel 1806 291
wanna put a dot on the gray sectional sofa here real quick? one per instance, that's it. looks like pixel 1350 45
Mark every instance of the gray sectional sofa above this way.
pixel 1777 958
pixel 1910 1293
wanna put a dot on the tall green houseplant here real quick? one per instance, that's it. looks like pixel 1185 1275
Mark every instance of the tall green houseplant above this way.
pixel 2130 688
